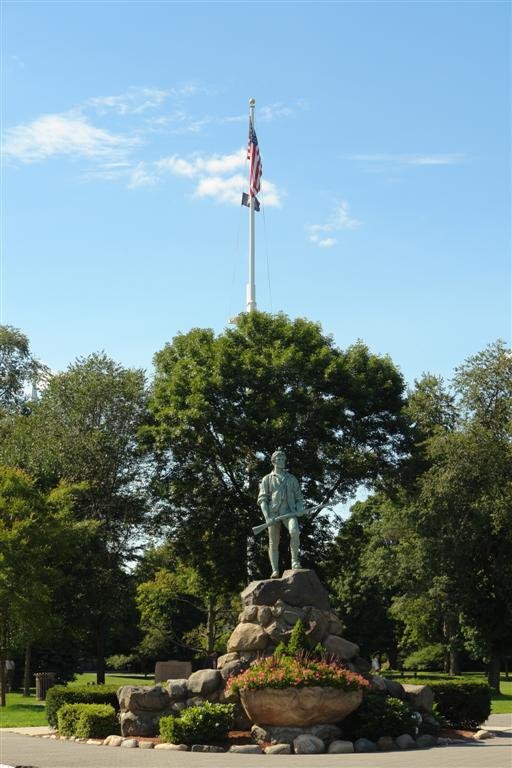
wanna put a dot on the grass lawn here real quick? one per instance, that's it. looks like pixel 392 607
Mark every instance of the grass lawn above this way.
pixel 22 712
pixel 114 678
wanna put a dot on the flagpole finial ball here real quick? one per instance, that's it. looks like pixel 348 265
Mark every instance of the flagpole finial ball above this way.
pixel 252 102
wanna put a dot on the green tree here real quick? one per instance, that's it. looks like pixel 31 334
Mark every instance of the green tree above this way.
pixel 446 548
pixel 363 601
pixel 36 533
pixel 83 430
pixel 18 368
pixel 222 404
pixel 180 614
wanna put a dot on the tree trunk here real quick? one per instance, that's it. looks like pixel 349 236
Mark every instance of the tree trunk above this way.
pixel 26 670
pixel 100 652
pixel 210 625
pixel 2 683
pixel 493 673
pixel 393 658
pixel 454 663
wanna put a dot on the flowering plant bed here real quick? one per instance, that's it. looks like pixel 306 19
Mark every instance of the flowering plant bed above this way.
pixel 280 671
pixel 297 691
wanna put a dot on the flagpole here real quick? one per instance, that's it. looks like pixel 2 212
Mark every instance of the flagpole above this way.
pixel 251 285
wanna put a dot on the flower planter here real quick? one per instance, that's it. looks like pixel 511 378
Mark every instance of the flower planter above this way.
pixel 310 705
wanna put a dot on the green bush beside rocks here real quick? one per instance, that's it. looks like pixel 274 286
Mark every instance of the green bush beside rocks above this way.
pixel 87 721
pixel 207 724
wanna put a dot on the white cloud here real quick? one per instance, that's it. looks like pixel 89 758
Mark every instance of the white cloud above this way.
pixel 176 165
pixel 278 110
pixel 133 102
pixel 216 177
pixel 411 160
pixel 225 190
pixel 338 220
pixel 136 100
pixel 199 165
pixel 62 135
pixel 141 177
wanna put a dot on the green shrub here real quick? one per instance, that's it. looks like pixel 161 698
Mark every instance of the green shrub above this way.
pixel 67 718
pixel 96 721
pixel 462 704
pixel 207 724
pixel 298 642
pixel 87 721
pixel 430 658
pixel 78 694
pixel 380 716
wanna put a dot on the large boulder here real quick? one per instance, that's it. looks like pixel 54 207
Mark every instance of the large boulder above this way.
pixel 178 690
pixel 317 626
pixel 340 647
pixel 420 697
pixel 139 698
pixel 141 723
pixel 226 658
pixel 394 689
pixel 204 682
pixel 233 668
pixel 248 637
pixel 278 630
pixel 296 587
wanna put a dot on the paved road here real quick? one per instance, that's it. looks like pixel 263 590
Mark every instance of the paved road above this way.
pixel 23 750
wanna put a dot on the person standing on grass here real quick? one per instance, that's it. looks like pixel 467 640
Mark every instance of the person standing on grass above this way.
pixel 9 674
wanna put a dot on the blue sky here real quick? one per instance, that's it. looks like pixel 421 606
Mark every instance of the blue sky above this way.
pixel 384 130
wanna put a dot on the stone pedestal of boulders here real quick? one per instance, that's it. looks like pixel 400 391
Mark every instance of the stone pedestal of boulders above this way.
pixel 270 610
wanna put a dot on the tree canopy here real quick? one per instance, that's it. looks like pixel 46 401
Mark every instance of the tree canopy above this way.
pixel 221 404
pixel 442 544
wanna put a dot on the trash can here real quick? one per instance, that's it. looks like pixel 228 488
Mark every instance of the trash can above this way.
pixel 44 681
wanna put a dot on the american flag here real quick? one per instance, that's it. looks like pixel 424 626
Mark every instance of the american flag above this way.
pixel 253 154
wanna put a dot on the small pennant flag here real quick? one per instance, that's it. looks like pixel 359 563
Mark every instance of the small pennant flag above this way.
pixel 246 200
pixel 253 154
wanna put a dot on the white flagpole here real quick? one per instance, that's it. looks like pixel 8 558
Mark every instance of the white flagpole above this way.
pixel 251 285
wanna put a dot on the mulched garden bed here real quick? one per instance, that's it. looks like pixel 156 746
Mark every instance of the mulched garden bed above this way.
pixel 457 733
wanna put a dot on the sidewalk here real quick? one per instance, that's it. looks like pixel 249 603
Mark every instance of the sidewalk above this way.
pixel 16 749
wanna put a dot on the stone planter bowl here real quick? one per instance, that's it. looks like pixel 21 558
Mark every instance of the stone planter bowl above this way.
pixel 311 705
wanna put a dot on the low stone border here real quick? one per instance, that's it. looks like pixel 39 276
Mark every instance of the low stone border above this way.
pixel 304 744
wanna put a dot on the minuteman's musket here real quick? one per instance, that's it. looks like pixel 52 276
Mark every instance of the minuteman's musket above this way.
pixel 308 511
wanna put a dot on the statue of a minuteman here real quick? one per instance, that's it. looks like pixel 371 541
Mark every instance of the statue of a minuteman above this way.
pixel 280 495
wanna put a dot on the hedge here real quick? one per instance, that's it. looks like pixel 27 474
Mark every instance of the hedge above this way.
pixel 461 703
pixel 87 721
pixel 206 724
pixel 79 694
